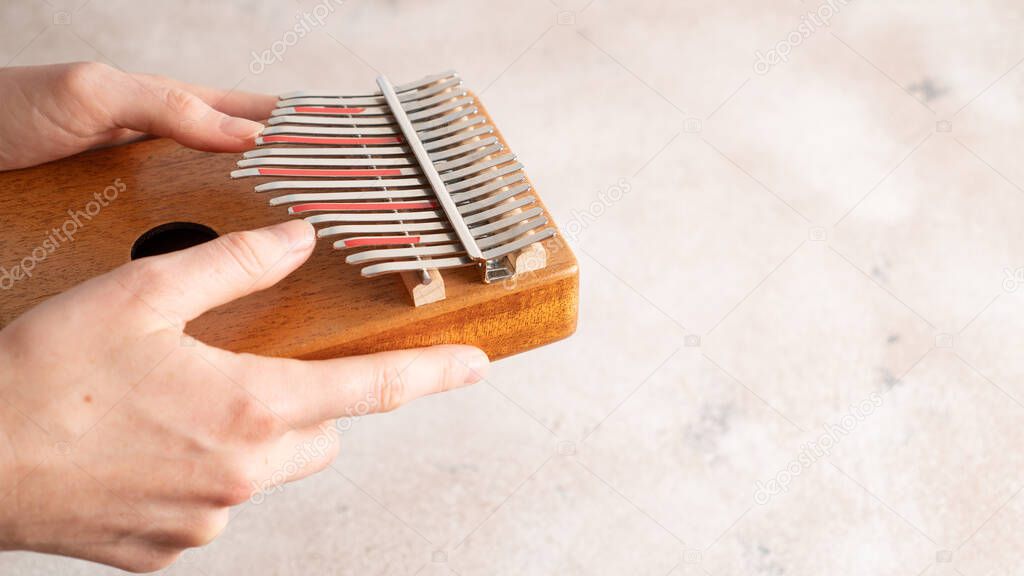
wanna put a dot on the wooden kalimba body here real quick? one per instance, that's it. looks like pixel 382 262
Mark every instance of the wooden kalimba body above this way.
pixel 413 186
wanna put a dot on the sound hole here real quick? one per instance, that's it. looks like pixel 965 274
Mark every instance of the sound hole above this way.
pixel 171 237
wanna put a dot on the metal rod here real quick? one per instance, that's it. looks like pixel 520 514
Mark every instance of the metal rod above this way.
pixel 436 183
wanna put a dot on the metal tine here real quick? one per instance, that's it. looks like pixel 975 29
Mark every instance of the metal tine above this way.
pixel 462 149
pixel 370 161
pixel 365 130
pixel 359 241
pixel 417 85
pixel 444 104
pixel 493 199
pixel 468 158
pixel 451 129
pixel 359 172
pixel 438 110
pixel 489 187
pixel 419 105
pixel 422 239
pixel 440 94
pixel 500 238
pixel 343 184
pixel 445 120
pixel 452 176
pixel 364 110
pixel 295 161
pixel 477 167
pixel 394 183
pixel 361 120
pixel 303 140
pixel 392 253
pixel 377 216
pixel 460 137
pixel 401 193
pixel 519 244
pixel 499 224
pixel 410 265
pixel 372 228
pixel 333 151
pixel 376 151
pixel 485 177
pixel 329 130
pixel 498 210
pixel 380 195
pixel 410 171
pixel 342 216
pixel 398 182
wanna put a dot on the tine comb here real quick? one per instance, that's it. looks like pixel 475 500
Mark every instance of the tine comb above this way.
pixel 410 178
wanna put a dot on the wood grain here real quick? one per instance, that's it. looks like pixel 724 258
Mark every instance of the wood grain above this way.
pixel 324 309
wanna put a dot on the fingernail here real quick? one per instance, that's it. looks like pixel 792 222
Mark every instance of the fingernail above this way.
pixel 476 361
pixel 298 235
pixel 240 127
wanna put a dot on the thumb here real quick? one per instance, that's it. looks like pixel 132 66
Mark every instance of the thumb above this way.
pixel 169 111
pixel 182 285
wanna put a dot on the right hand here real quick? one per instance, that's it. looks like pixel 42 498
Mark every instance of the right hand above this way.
pixel 124 442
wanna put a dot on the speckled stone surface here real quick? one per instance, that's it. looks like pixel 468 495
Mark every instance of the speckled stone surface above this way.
pixel 800 346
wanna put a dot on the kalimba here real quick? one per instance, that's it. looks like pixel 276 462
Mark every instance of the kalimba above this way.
pixel 411 181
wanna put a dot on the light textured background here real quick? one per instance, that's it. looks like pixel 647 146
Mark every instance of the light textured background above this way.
pixel 791 244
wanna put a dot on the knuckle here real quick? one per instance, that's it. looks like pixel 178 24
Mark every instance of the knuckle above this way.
pixel 81 78
pixel 235 493
pixel 243 251
pixel 184 104
pixel 389 388
pixel 233 487
pixel 252 420
pixel 147 280
pixel 147 273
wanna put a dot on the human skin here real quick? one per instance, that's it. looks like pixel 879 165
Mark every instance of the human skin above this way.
pixel 123 440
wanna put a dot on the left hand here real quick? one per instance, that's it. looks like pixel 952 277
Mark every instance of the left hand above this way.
pixel 50 112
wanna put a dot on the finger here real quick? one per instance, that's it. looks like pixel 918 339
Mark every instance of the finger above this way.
pixel 184 284
pixel 308 392
pixel 232 102
pixel 165 110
